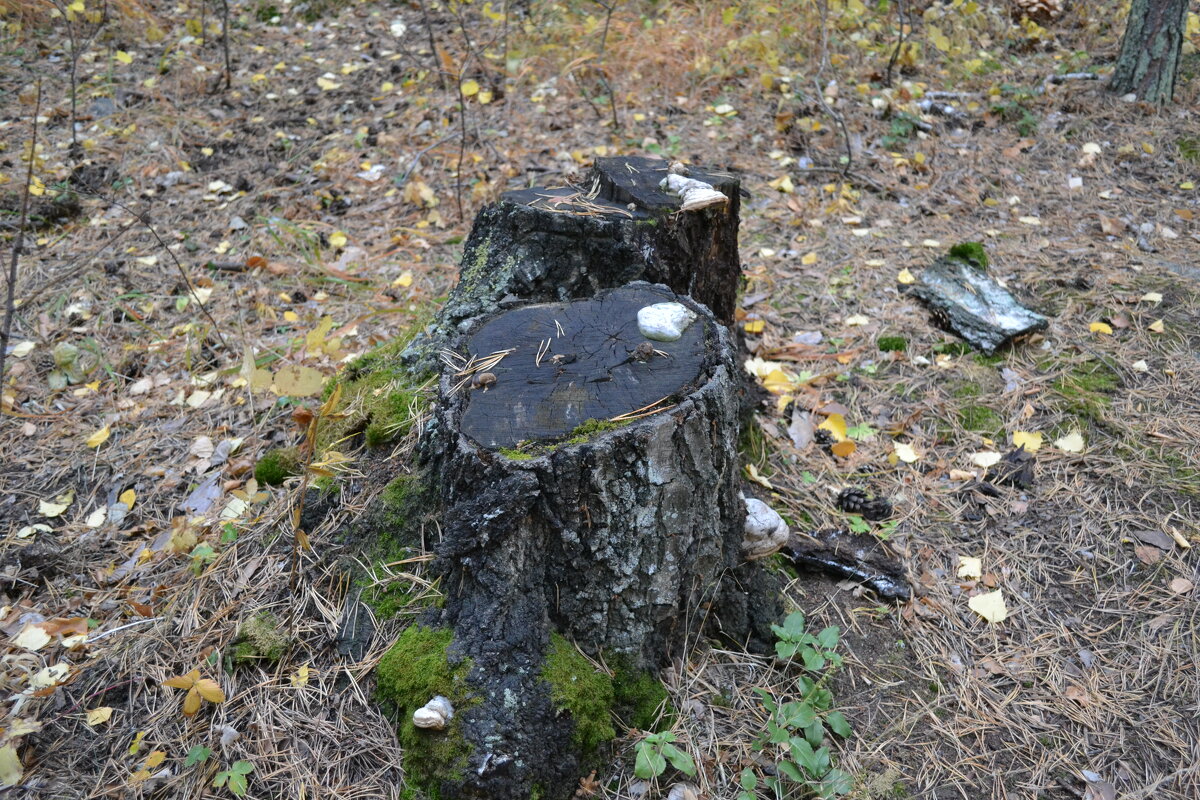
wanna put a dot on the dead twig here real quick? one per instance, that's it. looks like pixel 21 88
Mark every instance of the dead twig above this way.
pixel 19 240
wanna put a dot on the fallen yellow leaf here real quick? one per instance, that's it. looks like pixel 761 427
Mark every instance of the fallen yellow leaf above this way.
pixel 1151 297
pixel 985 459
pixel 128 497
pixel 808 259
pixel 99 715
pixel 470 88
pixel 843 449
pixel 754 326
pixel 405 279
pixel 123 57
pixel 990 606
pixel 970 567
pixel 836 425
pixel 1101 327
pixel 905 277
pixel 32 637
pixel 99 437
pixel 1031 441
pixel 300 677
pixel 10 765
pixel 906 453
pixel 1071 443
pixel 777 382
pixel 337 239
pixel 1157 326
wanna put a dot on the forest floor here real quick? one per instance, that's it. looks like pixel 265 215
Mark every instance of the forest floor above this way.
pixel 317 208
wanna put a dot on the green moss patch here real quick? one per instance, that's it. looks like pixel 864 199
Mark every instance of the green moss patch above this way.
pixel 639 697
pixel 1086 389
pixel 277 465
pixel 578 688
pixel 892 344
pixel 260 639
pixel 981 419
pixel 416 669
pixel 972 253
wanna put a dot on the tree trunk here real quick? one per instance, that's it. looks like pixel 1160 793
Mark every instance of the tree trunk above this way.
pixel 542 245
pixel 592 525
pixel 1149 60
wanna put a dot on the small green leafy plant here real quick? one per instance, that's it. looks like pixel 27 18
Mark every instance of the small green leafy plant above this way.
pixel 655 751
pixel 235 778
pixel 797 728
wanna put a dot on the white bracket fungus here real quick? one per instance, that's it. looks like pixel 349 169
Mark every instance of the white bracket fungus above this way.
pixel 664 322
pixel 434 714
pixel 694 194
pixel 765 530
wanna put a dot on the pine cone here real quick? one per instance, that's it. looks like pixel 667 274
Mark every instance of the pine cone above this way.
pixel 858 501
pixel 824 440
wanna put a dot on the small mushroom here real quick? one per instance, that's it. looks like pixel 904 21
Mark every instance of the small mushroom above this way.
pixel 765 532
pixel 434 714
pixel 483 380
pixel 677 168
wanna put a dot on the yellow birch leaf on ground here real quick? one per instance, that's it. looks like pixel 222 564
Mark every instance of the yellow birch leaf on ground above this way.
pixel 470 88
pixel 836 425
pixel 337 239
pixel 210 690
pixel 843 449
pixel 808 259
pixel 48 509
pixel 485 97
pixel 327 84
pixel 96 518
pixel 36 187
pixel 123 57
pixel 906 453
pixel 32 637
pixel 10 765
pixel 1031 441
pixel 99 437
pixel 754 326
pixel 1071 443
pixel 405 280
pixel 300 677
pixel 1140 366
pixel 1100 327
pixel 753 474
pixel 777 382
pixel 299 381
pixel 990 606
pixel 136 744
pixel 1151 297
pixel 155 758
pixel 905 277
pixel 857 320
pixel 985 459
pixel 128 497
pixel 1157 326
pixel 783 184
pixel 98 716
pixel 970 567
pixel 22 349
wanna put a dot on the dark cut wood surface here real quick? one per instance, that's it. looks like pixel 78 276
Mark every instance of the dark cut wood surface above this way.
pixel 598 377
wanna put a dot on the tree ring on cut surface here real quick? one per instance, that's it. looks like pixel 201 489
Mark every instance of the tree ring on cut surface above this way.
pixel 578 361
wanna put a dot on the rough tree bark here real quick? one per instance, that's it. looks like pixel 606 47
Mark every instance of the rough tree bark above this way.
pixel 588 478
pixel 1149 60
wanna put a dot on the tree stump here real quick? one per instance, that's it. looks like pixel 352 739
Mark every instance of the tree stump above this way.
pixel 590 491
pixel 542 245
pixel 588 481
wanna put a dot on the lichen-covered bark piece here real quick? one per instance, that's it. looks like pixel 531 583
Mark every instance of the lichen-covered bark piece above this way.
pixel 546 245
pixel 966 300
pixel 618 543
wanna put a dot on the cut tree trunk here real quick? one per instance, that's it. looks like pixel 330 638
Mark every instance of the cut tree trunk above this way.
pixel 588 478
pixel 592 493
pixel 542 245
pixel 1150 48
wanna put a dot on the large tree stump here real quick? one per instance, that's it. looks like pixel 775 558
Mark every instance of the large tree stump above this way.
pixel 588 479
pixel 541 245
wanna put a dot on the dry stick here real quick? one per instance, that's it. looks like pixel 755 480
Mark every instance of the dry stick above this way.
pixel 609 8
pixel 902 18
pixel 182 272
pixel 433 53
pixel 10 295
pixel 225 43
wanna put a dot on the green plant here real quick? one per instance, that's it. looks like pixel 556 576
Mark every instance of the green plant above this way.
pixel 197 755
pixel 796 729
pixel 655 751
pixel 235 778
pixel 903 127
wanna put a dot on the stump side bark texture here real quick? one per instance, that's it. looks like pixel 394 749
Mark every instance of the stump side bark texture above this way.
pixel 544 245
pixel 618 542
